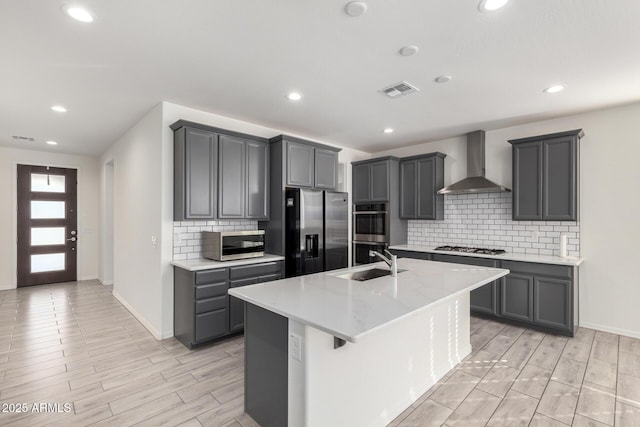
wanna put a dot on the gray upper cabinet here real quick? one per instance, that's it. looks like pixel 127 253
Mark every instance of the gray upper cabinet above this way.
pixel 231 170
pixel 219 173
pixel 195 164
pixel 372 180
pixel 545 177
pixel 300 165
pixel 326 169
pixel 420 179
pixel 257 197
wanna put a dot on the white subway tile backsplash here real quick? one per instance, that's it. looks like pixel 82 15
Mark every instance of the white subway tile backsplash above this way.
pixel 485 220
pixel 187 242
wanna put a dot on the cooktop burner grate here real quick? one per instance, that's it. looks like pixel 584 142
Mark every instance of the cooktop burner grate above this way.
pixel 483 251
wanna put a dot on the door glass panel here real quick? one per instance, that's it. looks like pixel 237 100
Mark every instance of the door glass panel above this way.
pixel 47 236
pixel 47 262
pixel 47 183
pixel 41 209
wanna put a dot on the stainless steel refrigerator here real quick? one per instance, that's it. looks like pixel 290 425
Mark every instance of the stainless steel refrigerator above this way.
pixel 316 231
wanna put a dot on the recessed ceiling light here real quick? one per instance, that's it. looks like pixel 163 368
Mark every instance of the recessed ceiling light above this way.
pixel 491 5
pixel 355 8
pixel 294 96
pixel 59 109
pixel 409 50
pixel 388 130
pixel 52 143
pixel 78 13
pixel 554 89
pixel 442 79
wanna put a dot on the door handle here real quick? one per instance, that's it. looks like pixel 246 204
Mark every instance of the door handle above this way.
pixel 73 239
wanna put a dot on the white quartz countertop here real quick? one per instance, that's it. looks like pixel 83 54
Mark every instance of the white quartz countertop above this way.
pixel 207 264
pixel 350 309
pixel 509 256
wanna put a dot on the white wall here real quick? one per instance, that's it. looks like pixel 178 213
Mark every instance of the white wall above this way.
pixel 138 168
pixel 610 202
pixel 88 214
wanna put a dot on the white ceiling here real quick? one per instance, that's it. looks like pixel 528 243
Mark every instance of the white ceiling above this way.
pixel 239 58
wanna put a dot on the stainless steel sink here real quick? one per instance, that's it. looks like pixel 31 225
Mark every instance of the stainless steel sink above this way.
pixel 369 274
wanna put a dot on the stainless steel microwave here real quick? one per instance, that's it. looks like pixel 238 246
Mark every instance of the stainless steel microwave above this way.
pixel 230 245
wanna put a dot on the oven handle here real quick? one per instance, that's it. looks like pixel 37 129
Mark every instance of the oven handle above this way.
pixel 360 242
pixel 370 212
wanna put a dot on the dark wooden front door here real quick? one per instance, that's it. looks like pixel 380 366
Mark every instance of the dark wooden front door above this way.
pixel 47 225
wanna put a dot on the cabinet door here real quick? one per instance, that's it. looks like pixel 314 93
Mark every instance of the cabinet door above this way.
pixel 408 191
pixel 516 294
pixel 559 179
pixel 361 183
pixel 300 165
pixel 231 167
pixel 211 325
pixel 195 174
pixel 236 306
pixel 257 180
pixel 552 302
pixel 426 188
pixel 326 169
pixel 485 298
pixel 527 181
pixel 380 181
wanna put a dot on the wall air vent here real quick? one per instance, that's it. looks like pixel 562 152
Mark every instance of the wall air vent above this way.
pixel 399 89
pixel 23 138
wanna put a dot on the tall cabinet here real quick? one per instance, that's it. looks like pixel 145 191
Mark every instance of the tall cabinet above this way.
pixel 545 177
pixel 295 162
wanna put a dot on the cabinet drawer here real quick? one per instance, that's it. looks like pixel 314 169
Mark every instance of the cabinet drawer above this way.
pixel 411 254
pixel 211 276
pixel 212 290
pixel 269 278
pixel 561 271
pixel 211 304
pixel 255 270
pixel 483 262
pixel 243 282
pixel 211 325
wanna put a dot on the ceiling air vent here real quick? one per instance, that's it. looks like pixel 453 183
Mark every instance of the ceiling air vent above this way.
pixel 399 89
pixel 23 138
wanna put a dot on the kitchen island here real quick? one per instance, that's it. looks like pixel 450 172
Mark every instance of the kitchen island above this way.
pixel 324 350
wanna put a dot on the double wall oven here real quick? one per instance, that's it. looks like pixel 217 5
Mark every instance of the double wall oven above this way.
pixel 370 230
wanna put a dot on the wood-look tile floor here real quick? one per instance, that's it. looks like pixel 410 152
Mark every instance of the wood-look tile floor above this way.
pixel 75 344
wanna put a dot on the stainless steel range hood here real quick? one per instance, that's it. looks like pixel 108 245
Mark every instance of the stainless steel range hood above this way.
pixel 475 182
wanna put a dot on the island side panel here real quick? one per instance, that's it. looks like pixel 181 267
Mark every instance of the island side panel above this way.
pixel 266 366
pixel 372 381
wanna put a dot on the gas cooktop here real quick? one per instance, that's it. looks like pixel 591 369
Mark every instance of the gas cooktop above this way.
pixel 483 251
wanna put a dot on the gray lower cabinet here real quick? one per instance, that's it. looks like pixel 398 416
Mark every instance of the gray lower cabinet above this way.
pixel 484 299
pixel 203 310
pixel 195 174
pixel 420 179
pixel 544 296
pixel 545 177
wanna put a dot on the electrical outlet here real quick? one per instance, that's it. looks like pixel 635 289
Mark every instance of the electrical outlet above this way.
pixel 535 235
pixel 295 346
pixel 176 238
pixel 154 241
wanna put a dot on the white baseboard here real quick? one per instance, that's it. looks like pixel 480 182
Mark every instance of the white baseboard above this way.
pixel 80 279
pixel 105 282
pixel 138 316
pixel 6 287
pixel 611 330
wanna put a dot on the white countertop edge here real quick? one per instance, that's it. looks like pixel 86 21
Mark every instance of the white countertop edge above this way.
pixel 509 256
pixel 208 264
pixel 356 338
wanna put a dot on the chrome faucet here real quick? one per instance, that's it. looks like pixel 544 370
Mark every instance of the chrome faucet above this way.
pixel 392 261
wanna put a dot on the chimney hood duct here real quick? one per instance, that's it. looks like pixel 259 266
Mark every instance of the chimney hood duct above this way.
pixel 475 182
